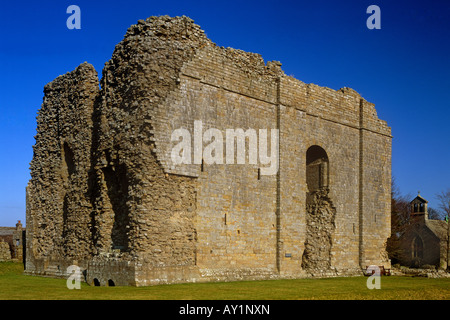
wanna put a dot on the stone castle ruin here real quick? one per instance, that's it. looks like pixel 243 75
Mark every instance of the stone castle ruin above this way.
pixel 106 196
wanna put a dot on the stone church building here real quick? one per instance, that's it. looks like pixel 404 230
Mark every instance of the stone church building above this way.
pixel 424 241
pixel 106 194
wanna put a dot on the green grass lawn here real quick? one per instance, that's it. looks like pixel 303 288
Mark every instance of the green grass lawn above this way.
pixel 15 285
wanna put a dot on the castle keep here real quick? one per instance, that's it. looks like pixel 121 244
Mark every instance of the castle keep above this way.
pixel 106 195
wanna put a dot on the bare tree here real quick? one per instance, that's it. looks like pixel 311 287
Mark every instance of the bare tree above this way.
pixel 444 202
pixel 400 218
pixel 400 208
pixel 434 214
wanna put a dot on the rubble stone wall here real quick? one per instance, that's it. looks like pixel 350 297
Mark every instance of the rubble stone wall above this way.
pixel 5 251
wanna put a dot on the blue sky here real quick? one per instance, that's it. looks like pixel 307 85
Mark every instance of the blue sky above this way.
pixel 404 67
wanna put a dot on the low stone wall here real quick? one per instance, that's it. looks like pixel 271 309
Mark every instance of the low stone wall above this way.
pixel 420 272
pixel 5 252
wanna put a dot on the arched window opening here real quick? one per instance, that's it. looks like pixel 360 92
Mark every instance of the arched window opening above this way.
pixel 320 212
pixel 111 283
pixel 116 178
pixel 96 282
pixel 417 248
pixel 317 167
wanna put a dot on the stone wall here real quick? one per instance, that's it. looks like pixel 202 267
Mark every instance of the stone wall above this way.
pixel 13 239
pixel 59 203
pixel 5 251
pixel 106 195
pixel 228 89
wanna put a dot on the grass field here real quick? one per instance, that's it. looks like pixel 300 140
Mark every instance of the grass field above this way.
pixel 16 286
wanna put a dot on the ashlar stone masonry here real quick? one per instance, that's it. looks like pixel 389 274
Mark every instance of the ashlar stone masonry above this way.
pixel 105 194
